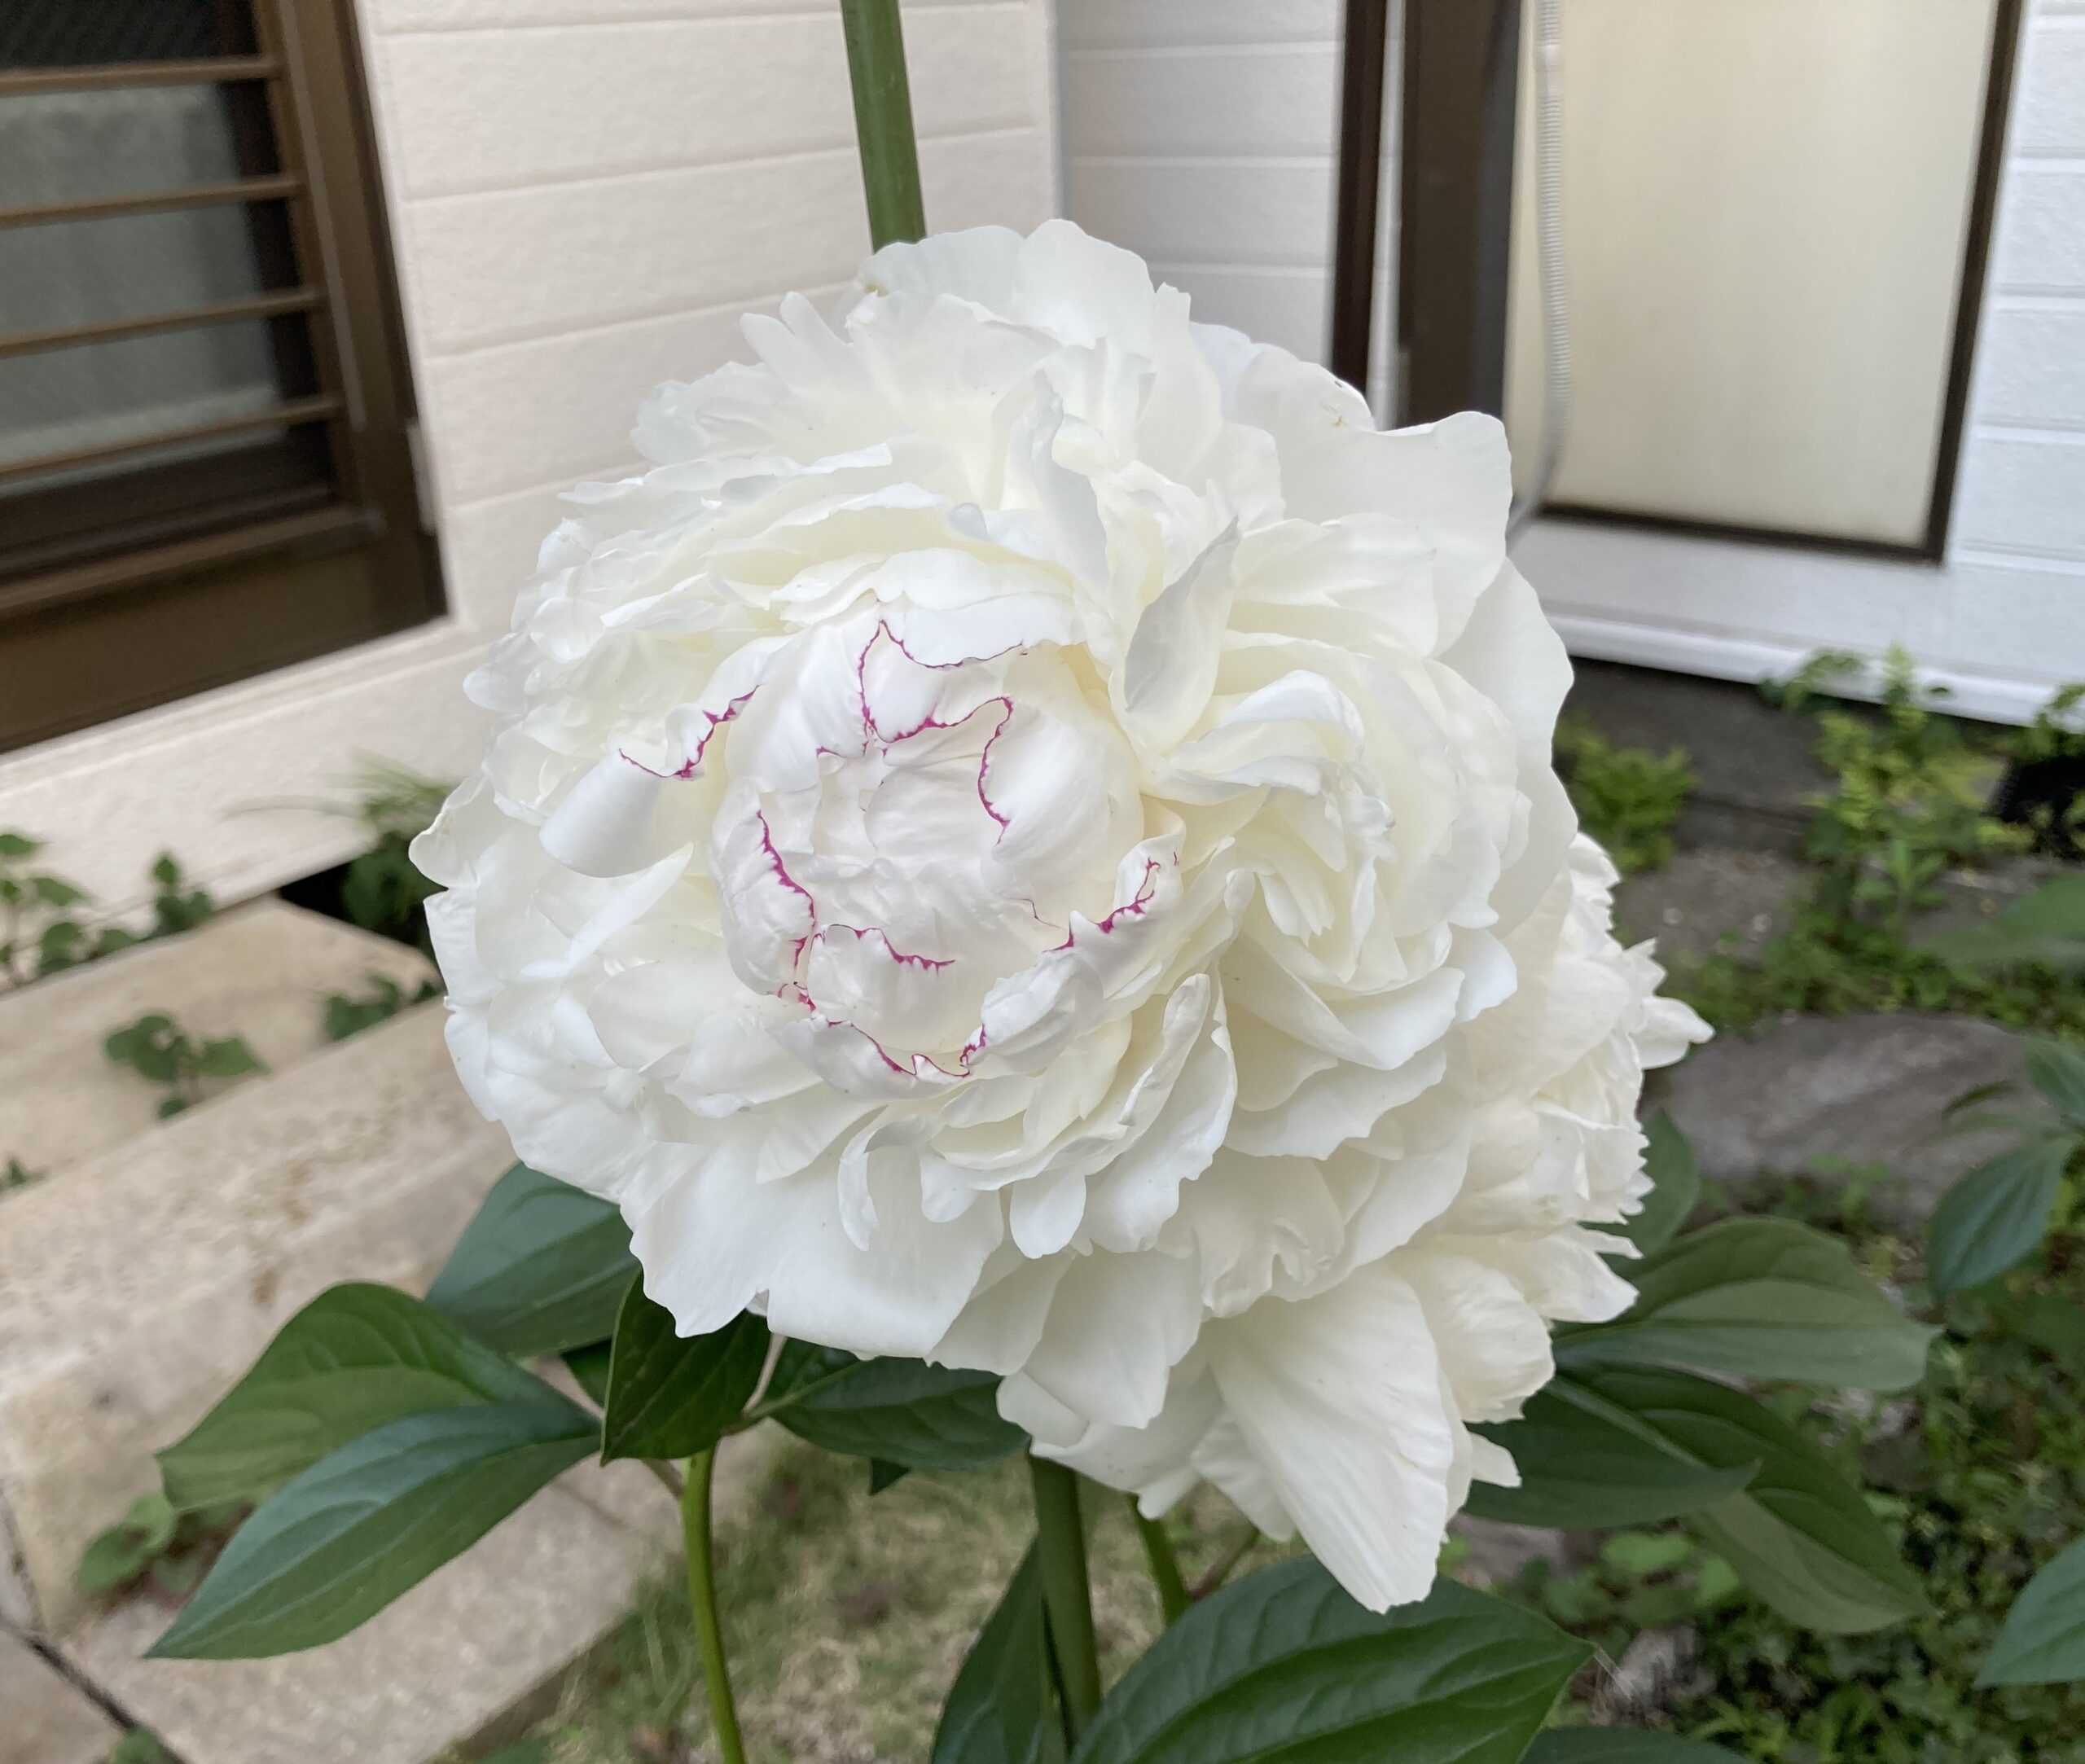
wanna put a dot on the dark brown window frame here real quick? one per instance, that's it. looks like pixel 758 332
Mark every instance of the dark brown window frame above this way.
pixel 1461 70
pixel 289 563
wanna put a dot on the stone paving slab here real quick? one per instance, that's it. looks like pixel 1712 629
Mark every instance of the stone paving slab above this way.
pixel 138 1287
pixel 470 1656
pixel 45 1718
pixel 1869 1090
pixel 261 971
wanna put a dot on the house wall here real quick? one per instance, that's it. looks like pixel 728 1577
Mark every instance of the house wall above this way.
pixel 2001 621
pixel 585 196
pixel 1204 138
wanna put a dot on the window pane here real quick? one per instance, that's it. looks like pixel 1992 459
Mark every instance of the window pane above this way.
pixel 57 400
pixel 63 147
pixel 59 33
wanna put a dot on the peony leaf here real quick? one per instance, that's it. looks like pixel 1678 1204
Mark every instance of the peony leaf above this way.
pixel 1799 1534
pixel 1759 1298
pixel 672 1396
pixel 1622 1745
pixel 999 1709
pixel 376 1518
pixel 2043 1639
pixel 2057 1070
pixel 1675 1185
pixel 356 1357
pixel 1284 1664
pixel 1995 1216
pixel 903 1412
pixel 541 1268
pixel 1584 1463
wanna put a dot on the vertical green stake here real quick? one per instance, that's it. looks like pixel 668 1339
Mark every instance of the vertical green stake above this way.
pixel 882 121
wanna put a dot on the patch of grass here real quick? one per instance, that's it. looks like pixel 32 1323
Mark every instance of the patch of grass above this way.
pixel 1628 798
pixel 847 1615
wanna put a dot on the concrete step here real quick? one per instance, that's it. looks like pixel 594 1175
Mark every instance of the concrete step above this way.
pixel 136 1287
pixel 261 971
pixel 45 1718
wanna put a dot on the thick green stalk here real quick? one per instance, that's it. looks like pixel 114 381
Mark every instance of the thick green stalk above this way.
pixel 702 1594
pixel 1173 1600
pixel 1066 1596
pixel 882 121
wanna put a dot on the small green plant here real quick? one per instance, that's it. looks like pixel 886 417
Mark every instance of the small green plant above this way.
pixel 157 1049
pixel 17 1174
pixel 156 1541
pixel 1627 798
pixel 42 937
pixel 139 1745
pixel 350 1013
pixel 381 891
pixel 1907 805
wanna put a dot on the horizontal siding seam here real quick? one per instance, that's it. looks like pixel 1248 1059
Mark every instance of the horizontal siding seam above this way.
pixel 746 303
pixel 1228 162
pixel 583 20
pixel 843 142
pixel 1180 51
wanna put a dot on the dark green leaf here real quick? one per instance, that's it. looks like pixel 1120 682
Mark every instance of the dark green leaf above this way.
pixel 999 1711
pixel 1284 1665
pixel 1995 1216
pixel 1623 1745
pixel 1761 1298
pixel 1800 1534
pixel 364 1524
pixel 1675 1185
pixel 543 1267
pixel 1585 1464
pixel 52 891
pixel 2057 1070
pixel 799 1366
pixel 19 845
pixel 905 1412
pixel 2043 1639
pixel 671 1396
pixel 2054 1323
pixel 356 1357
pixel 882 1474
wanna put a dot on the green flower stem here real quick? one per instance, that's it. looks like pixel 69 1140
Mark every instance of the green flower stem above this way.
pixel 882 121
pixel 1173 1600
pixel 1066 1596
pixel 702 1594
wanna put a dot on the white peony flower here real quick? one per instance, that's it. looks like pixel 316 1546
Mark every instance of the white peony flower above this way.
pixel 1027 838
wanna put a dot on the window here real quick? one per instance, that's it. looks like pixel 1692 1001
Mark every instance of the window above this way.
pixel 205 418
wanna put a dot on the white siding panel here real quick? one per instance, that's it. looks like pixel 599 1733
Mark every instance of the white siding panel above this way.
pixel 1289 304
pixel 505 265
pixel 2024 492
pixel 403 16
pixel 1211 213
pixel 2052 107
pixel 493 110
pixel 1194 23
pixel 1275 99
pixel 2032 364
pixel 2041 235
